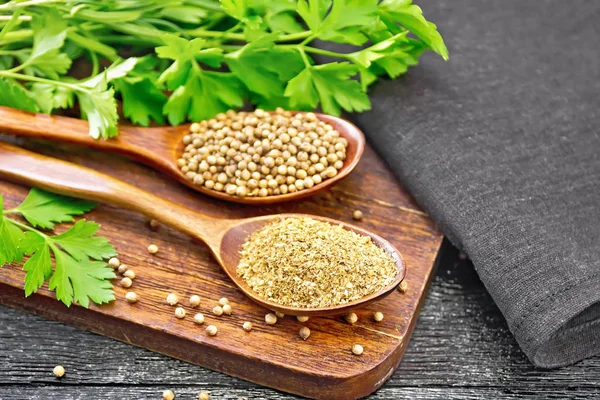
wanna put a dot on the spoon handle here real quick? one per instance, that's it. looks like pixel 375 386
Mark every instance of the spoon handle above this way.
pixel 69 179
pixel 144 144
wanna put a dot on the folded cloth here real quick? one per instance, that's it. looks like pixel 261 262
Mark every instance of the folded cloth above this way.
pixel 501 145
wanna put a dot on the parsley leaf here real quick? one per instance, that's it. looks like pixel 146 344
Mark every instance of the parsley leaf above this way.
pixel 79 274
pixel 49 36
pixel 80 242
pixel 331 84
pixel 10 236
pixel 81 280
pixel 198 93
pixel 42 209
pixel 265 70
pixel 14 95
pixel 411 17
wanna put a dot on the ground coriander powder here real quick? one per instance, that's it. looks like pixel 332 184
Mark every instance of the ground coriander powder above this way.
pixel 303 262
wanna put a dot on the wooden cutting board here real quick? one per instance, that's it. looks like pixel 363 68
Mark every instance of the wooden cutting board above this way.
pixel 322 367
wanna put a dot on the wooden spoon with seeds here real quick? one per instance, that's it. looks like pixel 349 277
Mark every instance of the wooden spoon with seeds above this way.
pixel 160 147
pixel 223 236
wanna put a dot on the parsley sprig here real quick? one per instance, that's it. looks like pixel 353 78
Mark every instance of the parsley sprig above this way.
pixel 79 273
pixel 201 57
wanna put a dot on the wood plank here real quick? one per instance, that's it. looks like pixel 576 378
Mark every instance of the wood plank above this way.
pixel 322 366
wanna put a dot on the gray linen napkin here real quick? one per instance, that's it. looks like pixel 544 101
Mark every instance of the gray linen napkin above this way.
pixel 501 145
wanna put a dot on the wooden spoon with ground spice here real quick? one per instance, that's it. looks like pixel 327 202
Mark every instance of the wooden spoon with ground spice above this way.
pixel 163 148
pixel 225 237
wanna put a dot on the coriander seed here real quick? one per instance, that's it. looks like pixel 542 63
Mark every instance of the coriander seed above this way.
pixel 122 268
pixel 302 318
pixel 211 330
pixel 357 349
pixel 223 301
pixel 131 297
pixel 357 215
pixel 195 301
pixel 378 316
pixel 279 314
pixel 153 249
pixel 304 333
pixel 172 299
pixel 154 223
pixel 217 310
pixel 114 263
pixel 126 282
pixel 247 326
pixel 199 319
pixel 227 309
pixel 224 155
pixel 59 371
pixel 203 396
pixel 180 312
pixel 168 395
pixel 403 287
pixel 351 318
pixel 129 274
pixel 271 319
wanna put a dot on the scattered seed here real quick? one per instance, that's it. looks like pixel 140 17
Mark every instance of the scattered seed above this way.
pixel 180 312
pixel 403 287
pixel 227 309
pixel 126 282
pixel 59 371
pixel 304 332
pixel 357 349
pixel 114 262
pixel 168 395
pixel 351 318
pixel 247 326
pixel 129 274
pixel 271 319
pixel 153 249
pixel 217 310
pixel 223 301
pixel 195 300
pixel 211 330
pixel 378 316
pixel 122 268
pixel 131 297
pixel 203 396
pixel 153 224
pixel 199 319
pixel 357 215
pixel 279 314
pixel 302 318
pixel 172 299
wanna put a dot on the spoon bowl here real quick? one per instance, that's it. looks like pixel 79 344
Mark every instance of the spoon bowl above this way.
pixel 223 236
pixel 161 147
pixel 235 237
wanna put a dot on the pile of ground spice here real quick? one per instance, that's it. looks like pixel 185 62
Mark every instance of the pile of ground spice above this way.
pixel 302 262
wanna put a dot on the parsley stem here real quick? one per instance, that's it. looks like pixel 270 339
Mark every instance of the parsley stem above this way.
pixel 8 74
pixel 303 55
pixel 324 52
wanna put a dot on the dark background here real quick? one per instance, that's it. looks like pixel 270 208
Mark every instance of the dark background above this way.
pixel 461 349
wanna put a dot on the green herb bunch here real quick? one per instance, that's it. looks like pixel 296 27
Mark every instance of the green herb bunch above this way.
pixel 79 273
pixel 197 58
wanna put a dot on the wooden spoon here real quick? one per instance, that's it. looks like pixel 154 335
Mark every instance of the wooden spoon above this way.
pixel 223 236
pixel 160 147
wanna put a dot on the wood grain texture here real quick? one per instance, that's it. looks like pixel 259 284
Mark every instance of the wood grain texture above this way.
pixel 461 349
pixel 160 147
pixel 323 366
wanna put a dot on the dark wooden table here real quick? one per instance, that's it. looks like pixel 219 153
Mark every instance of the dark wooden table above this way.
pixel 461 349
